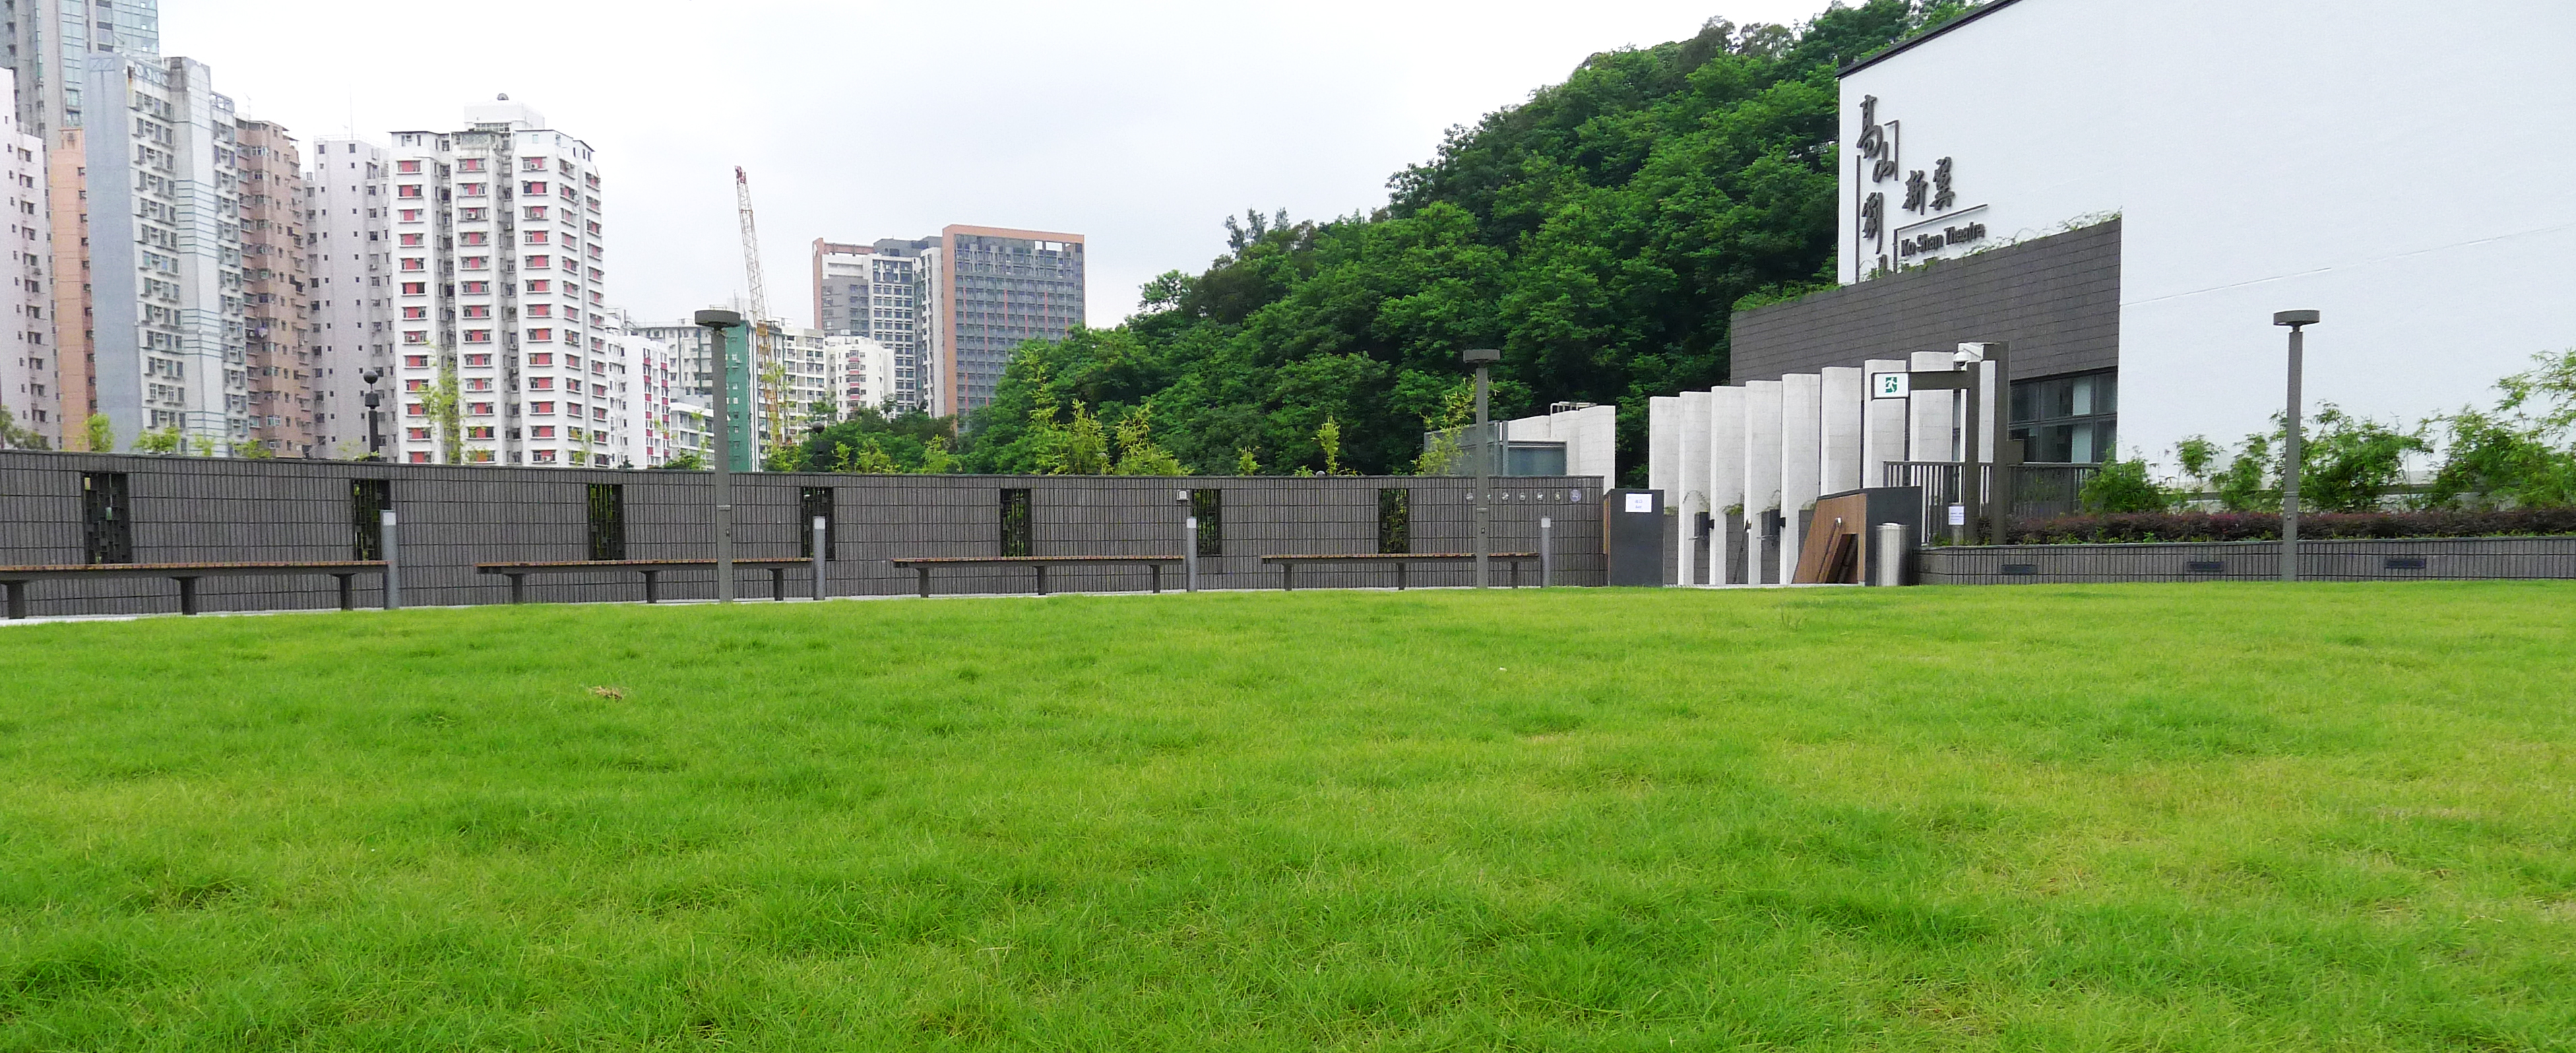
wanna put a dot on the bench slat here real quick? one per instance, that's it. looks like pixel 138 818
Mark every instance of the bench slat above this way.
pixel 1388 557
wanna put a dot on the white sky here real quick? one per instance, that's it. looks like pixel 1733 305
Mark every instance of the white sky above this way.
pixel 1139 125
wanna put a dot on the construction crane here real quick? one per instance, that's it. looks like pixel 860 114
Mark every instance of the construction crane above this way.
pixel 765 363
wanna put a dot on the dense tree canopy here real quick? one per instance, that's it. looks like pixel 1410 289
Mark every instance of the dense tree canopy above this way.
pixel 1599 235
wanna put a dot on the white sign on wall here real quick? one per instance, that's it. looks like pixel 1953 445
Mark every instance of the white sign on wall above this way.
pixel 1641 503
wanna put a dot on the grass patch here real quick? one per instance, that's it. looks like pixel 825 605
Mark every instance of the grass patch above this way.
pixel 2216 816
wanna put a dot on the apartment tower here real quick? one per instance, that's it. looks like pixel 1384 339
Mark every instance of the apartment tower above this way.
pixel 28 358
pixel 167 330
pixel 285 366
pixel 348 253
pixel 499 276
pixel 952 308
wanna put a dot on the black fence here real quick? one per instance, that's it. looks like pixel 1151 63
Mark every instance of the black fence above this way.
pixel 2040 491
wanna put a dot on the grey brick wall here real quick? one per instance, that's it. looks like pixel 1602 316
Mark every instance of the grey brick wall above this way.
pixel 2320 560
pixel 194 510
pixel 2055 299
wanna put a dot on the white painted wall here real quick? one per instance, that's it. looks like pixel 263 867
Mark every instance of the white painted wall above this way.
pixel 1844 392
pixel 1801 459
pixel 1883 428
pixel 1693 483
pixel 1931 416
pixel 2391 165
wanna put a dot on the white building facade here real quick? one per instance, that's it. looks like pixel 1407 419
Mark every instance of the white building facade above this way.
pixel 29 355
pixel 348 238
pixel 165 253
pixel 867 373
pixel 2259 158
pixel 499 274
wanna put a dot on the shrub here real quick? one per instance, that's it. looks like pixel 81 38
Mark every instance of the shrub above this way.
pixel 2124 486
pixel 2132 527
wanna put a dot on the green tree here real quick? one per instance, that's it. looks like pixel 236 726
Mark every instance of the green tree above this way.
pixel 2124 486
pixel 444 406
pixel 1245 463
pixel 99 433
pixel 1137 452
pixel 2518 454
pixel 1599 234
pixel 161 441
pixel 13 435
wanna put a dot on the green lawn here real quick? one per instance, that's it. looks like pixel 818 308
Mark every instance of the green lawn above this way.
pixel 2114 817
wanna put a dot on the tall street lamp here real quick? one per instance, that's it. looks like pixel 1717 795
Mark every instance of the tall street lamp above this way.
pixel 1483 359
pixel 717 321
pixel 2298 321
pixel 374 398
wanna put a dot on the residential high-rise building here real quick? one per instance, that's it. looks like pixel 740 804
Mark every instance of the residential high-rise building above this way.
pixel 348 238
pixel 277 312
pixel 952 308
pixel 876 291
pixel 49 49
pixel 867 373
pixel 166 327
pixel 996 288
pixel 499 283
pixel 28 355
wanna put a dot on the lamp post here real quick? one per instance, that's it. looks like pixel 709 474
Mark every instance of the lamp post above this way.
pixel 1483 359
pixel 374 398
pixel 717 321
pixel 2291 455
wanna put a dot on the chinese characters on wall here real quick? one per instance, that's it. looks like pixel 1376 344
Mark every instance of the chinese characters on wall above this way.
pixel 1878 160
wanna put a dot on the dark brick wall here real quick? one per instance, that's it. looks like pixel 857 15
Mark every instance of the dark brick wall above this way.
pixel 2055 299
pixel 193 510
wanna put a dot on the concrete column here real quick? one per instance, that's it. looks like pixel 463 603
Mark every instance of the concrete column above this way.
pixel 1693 482
pixel 1801 459
pixel 1725 477
pixel 1761 470
pixel 1882 426
pixel 1664 456
pixel 1845 388
pixel 1930 415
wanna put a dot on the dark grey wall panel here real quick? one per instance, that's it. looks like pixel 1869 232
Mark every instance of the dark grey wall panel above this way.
pixel 2055 299
pixel 196 510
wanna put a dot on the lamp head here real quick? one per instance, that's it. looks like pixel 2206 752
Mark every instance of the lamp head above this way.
pixel 371 374
pixel 1483 356
pixel 2294 318
pixel 715 318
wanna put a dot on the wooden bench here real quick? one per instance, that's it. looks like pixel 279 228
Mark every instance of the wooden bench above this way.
pixel 19 580
pixel 652 569
pixel 924 564
pixel 1288 563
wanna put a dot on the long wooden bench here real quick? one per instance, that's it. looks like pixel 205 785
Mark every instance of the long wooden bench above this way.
pixel 19 581
pixel 652 569
pixel 923 565
pixel 1288 562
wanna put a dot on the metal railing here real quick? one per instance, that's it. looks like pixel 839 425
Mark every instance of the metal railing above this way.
pixel 2040 491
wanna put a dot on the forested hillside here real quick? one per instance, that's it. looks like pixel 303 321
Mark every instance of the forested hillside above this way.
pixel 1599 235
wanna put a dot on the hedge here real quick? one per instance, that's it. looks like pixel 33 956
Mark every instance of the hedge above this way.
pixel 2252 526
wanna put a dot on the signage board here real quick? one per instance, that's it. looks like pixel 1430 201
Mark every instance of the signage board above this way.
pixel 1890 385
pixel 1958 515
pixel 1644 503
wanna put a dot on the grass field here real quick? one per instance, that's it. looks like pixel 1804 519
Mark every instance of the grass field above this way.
pixel 2081 818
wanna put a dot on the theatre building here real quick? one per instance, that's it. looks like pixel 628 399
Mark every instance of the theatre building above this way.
pixel 2124 194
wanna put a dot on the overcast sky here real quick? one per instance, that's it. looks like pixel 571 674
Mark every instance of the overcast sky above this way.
pixel 1137 125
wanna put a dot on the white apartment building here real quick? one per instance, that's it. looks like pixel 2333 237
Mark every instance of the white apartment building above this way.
pixel 650 434
pixel 888 292
pixel 348 234
pixel 165 253
pixel 28 358
pixel 867 373
pixel 499 274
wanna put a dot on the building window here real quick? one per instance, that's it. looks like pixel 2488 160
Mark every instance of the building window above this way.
pixel 415 314
pixel 474 288
pixel 469 164
pixel 415 263
pixel 1209 507
pixel 542 358
pixel 1018 538
pixel 1394 521
pixel 415 336
pixel 481 409
pixel 473 189
pixel 471 237
pixel 542 409
pixel 538 262
pixel 369 500
pixel 107 518
pixel 607 520
pixel 416 361
pixel 476 263
pixel 2067 420
pixel 411 241
pixel 407 167
pixel 479 360
pixel 542 431
pixel 407 190
pixel 411 215
pixel 532 187
pixel 541 383
pixel 540 336
pixel 478 336
pixel 540 285
pixel 415 288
